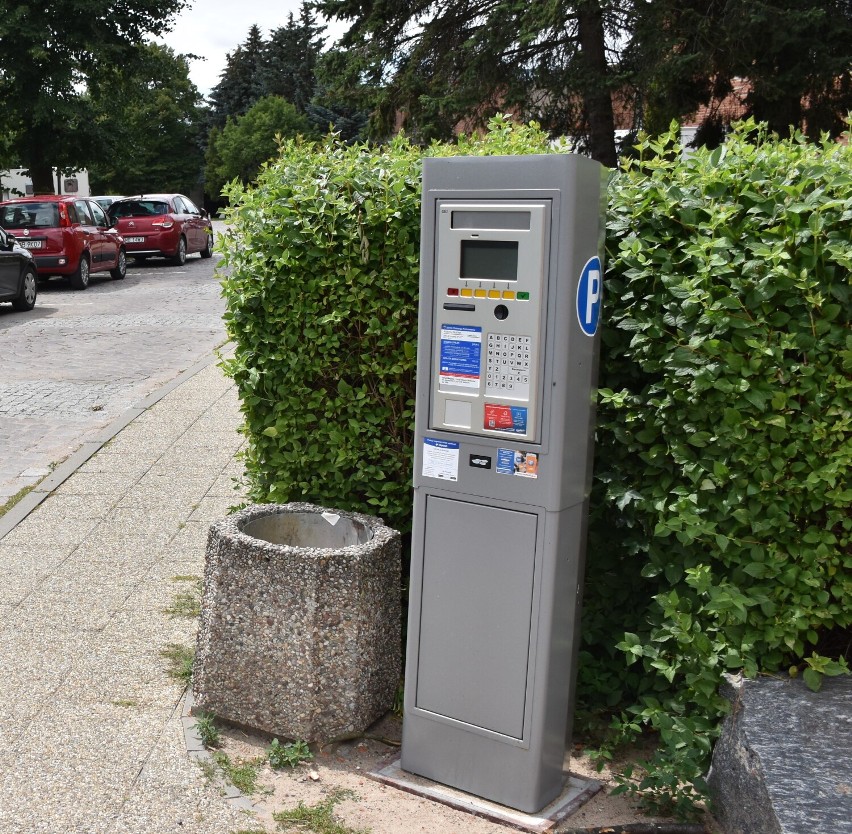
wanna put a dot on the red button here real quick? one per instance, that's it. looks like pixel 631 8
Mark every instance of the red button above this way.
pixel 452 291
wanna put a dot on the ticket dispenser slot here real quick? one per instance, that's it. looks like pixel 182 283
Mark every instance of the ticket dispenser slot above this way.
pixel 488 337
pixel 510 283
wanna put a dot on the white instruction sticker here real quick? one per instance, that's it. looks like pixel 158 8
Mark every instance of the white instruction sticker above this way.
pixel 440 459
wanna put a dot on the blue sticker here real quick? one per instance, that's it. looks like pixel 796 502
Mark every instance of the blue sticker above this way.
pixel 505 462
pixel 589 292
pixel 461 355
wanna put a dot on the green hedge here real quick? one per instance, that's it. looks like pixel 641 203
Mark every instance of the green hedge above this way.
pixel 721 508
pixel 324 255
pixel 721 518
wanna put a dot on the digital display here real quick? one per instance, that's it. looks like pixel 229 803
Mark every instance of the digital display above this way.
pixel 489 260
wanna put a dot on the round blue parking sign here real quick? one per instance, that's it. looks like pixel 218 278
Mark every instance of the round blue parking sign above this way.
pixel 589 292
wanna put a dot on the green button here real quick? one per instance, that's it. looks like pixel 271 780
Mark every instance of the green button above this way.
pixel 523 296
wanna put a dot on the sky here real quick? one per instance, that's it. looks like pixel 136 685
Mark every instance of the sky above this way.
pixel 213 28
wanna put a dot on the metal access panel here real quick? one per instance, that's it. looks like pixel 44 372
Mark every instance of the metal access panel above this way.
pixel 510 294
pixel 475 623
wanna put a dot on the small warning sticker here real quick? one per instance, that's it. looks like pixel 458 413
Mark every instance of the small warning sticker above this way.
pixel 517 462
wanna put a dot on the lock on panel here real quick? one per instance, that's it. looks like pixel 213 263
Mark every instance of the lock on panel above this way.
pixel 488 337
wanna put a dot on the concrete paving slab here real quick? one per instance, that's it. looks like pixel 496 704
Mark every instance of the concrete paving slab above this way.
pixel 88 707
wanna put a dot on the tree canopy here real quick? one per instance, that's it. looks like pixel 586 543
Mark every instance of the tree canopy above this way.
pixel 152 119
pixel 289 64
pixel 585 67
pixel 54 57
pixel 239 149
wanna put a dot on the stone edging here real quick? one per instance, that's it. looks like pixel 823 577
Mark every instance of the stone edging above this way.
pixel 71 464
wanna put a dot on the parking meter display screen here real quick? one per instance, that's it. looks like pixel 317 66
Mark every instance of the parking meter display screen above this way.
pixel 489 260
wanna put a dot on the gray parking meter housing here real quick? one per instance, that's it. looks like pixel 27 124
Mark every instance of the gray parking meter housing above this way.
pixel 510 293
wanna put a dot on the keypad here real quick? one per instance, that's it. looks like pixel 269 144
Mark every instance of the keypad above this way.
pixel 507 366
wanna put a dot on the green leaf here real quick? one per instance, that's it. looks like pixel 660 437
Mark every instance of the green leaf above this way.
pixel 813 679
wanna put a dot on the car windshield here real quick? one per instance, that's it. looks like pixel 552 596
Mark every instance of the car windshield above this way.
pixel 29 215
pixel 138 208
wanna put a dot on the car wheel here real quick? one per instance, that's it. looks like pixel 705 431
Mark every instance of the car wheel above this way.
pixel 179 258
pixel 79 279
pixel 207 251
pixel 29 289
pixel 121 266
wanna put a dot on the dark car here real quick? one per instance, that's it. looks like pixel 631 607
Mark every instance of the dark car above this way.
pixel 164 225
pixel 18 278
pixel 68 236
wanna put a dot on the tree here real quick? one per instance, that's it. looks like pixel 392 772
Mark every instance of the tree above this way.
pixel 290 59
pixel 241 147
pixel 152 120
pixel 795 55
pixel 242 80
pixel 52 54
pixel 435 65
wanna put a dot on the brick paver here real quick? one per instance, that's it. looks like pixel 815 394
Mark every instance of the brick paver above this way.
pixel 80 359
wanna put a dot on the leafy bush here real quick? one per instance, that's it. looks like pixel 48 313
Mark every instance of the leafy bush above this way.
pixel 720 528
pixel 721 518
pixel 322 308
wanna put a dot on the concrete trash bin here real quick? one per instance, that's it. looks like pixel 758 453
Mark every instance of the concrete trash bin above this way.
pixel 300 621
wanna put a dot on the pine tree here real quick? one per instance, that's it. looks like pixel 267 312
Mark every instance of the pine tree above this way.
pixel 242 80
pixel 291 57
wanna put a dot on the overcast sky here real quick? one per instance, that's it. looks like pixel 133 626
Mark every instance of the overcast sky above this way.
pixel 213 28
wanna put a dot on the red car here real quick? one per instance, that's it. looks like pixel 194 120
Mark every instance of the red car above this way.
pixel 68 236
pixel 164 225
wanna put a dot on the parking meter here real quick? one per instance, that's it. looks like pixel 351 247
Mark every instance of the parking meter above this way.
pixel 510 294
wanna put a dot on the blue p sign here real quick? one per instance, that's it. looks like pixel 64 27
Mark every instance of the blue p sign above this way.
pixel 589 292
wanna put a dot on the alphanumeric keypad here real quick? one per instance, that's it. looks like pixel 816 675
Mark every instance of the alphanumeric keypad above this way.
pixel 507 366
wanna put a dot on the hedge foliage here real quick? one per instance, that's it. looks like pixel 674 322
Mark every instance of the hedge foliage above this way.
pixel 720 529
pixel 722 506
pixel 324 253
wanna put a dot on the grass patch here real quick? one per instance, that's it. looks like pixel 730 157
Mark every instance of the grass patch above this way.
pixel 16 498
pixel 125 702
pixel 318 818
pixel 186 603
pixel 180 661
pixel 241 774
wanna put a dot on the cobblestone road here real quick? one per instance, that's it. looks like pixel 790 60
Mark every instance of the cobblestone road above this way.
pixel 79 359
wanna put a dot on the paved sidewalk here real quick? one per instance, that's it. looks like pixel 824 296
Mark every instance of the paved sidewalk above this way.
pixel 91 738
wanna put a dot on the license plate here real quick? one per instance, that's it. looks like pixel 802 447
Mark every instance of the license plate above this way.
pixel 134 239
pixel 31 244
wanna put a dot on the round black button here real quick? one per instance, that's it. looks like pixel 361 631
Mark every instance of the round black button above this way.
pixel 501 311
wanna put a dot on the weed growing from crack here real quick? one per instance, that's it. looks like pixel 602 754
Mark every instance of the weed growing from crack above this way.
pixel 242 775
pixel 180 661
pixel 186 603
pixel 319 818
pixel 287 755
pixel 208 732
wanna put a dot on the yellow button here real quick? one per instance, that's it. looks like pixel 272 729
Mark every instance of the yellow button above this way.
pixel 467 292
pixel 509 295
pixel 494 293
pixel 479 293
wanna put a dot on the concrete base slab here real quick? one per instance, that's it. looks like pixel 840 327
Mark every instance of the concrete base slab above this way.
pixel 577 791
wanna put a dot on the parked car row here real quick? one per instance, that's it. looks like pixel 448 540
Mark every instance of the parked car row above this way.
pixel 18 279
pixel 75 237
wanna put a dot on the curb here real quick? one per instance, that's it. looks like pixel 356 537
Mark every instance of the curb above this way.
pixel 71 464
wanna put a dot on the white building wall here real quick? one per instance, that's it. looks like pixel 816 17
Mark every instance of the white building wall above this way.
pixel 13 183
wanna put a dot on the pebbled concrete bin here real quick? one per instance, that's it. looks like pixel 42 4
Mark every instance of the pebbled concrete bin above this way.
pixel 300 621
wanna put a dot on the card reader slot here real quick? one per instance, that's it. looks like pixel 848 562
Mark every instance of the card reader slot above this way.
pixel 468 308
